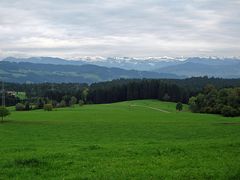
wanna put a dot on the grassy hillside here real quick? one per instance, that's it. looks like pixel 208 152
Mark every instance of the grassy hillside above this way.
pixel 129 140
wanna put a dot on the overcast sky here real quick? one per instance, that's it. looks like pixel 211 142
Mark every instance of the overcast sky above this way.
pixel 77 28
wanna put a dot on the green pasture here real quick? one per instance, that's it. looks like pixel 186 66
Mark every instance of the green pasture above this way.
pixel 145 139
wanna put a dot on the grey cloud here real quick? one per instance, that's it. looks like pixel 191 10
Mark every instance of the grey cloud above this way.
pixel 119 28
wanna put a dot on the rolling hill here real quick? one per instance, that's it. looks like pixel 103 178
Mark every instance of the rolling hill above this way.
pixel 183 67
pixel 128 140
pixel 25 72
pixel 192 68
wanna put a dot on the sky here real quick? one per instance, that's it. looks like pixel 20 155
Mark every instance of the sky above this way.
pixel 133 28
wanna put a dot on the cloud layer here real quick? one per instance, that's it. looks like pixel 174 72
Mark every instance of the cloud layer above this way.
pixel 74 28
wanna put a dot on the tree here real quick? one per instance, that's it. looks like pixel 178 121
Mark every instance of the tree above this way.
pixel 40 103
pixel 85 94
pixel 62 104
pixel 67 100
pixel 179 106
pixel 225 101
pixel 54 103
pixel 229 111
pixel 4 112
pixel 166 97
pixel 81 102
pixel 73 100
pixel 48 107
pixel 208 88
pixel 27 106
pixel 192 104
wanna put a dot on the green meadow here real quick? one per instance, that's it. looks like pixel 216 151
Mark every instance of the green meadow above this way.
pixel 144 139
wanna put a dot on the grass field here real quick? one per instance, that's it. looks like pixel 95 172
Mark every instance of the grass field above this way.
pixel 128 140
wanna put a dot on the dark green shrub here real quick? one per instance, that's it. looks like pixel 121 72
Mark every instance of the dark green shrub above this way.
pixel 228 111
pixel 20 107
pixel 179 106
pixel 48 107
pixel 27 106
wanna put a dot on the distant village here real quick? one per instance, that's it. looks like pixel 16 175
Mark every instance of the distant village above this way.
pixel 11 93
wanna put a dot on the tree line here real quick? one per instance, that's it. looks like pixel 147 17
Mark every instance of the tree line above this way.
pixel 225 101
pixel 116 91
pixel 66 94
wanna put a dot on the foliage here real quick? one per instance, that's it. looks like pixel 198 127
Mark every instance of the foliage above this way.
pixel 4 112
pixel 73 100
pixel 224 101
pixel 54 103
pixel 115 91
pixel 20 107
pixel 179 106
pixel 85 94
pixel 27 106
pixel 67 99
pixel 178 90
pixel 81 102
pixel 23 107
pixel 40 103
pixel 229 111
pixel 48 107
pixel 62 104
pixel 21 95
pixel 166 97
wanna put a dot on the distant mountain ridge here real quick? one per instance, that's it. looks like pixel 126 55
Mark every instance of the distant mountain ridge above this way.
pixel 44 60
pixel 25 72
pixel 127 63
pixel 190 68
pixel 183 67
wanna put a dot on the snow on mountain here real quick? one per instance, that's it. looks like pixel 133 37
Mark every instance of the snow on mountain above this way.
pixel 129 63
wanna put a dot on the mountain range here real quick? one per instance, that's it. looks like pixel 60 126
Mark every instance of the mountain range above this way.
pixel 95 69
pixel 25 72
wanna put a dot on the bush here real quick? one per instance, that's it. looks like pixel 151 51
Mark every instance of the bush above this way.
pixel 4 112
pixel 179 106
pixel 48 107
pixel 228 111
pixel 20 107
pixel 81 102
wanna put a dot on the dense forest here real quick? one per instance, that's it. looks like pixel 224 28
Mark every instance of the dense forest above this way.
pixel 118 90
